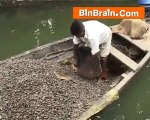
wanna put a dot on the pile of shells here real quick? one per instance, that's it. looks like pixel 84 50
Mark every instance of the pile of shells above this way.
pixel 32 90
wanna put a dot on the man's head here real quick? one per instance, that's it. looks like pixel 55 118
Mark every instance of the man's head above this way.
pixel 77 29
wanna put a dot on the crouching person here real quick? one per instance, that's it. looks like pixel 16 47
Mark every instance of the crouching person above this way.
pixel 97 37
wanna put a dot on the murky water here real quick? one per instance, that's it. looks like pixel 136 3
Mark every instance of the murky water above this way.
pixel 134 100
pixel 22 29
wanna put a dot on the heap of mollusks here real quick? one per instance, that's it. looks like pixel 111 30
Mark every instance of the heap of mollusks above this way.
pixel 30 89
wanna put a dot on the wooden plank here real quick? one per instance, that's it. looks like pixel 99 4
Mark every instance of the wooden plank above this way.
pixel 124 59
pixel 134 42
pixel 128 76
pixel 145 59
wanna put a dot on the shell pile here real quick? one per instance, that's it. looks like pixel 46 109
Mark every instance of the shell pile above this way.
pixel 31 90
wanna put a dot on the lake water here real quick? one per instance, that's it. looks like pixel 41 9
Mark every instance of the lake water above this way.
pixel 23 28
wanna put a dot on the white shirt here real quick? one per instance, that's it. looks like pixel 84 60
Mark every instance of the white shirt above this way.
pixel 96 33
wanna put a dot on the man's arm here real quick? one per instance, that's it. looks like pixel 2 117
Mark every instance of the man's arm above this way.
pixel 76 46
pixel 76 54
pixel 104 66
pixel 75 51
pixel 103 60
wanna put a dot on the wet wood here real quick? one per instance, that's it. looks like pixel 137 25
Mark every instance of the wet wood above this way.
pixel 140 43
pixel 123 58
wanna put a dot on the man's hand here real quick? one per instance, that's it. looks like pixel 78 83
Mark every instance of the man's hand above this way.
pixel 104 75
pixel 81 45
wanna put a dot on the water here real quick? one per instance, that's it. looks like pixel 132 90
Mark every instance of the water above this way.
pixel 134 102
pixel 21 29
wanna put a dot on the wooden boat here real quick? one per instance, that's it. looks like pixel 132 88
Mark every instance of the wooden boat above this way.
pixel 62 50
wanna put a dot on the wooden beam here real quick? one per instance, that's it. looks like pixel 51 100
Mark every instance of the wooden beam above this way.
pixel 124 59
pixel 137 42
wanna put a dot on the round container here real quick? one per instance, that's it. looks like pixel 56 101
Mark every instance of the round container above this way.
pixel 89 64
pixel 144 2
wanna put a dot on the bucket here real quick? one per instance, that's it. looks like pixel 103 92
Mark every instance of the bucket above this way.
pixel 89 65
pixel 144 2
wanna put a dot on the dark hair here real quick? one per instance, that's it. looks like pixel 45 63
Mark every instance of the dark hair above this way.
pixel 77 27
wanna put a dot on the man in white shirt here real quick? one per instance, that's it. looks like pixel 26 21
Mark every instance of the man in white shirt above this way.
pixel 95 35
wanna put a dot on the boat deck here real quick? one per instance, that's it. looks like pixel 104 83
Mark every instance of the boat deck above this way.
pixel 143 44
pixel 44 80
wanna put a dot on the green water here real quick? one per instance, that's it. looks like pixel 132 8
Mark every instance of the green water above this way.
pixel 134 103
pixel 21 28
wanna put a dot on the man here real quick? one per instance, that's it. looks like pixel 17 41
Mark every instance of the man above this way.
pixel 95 35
